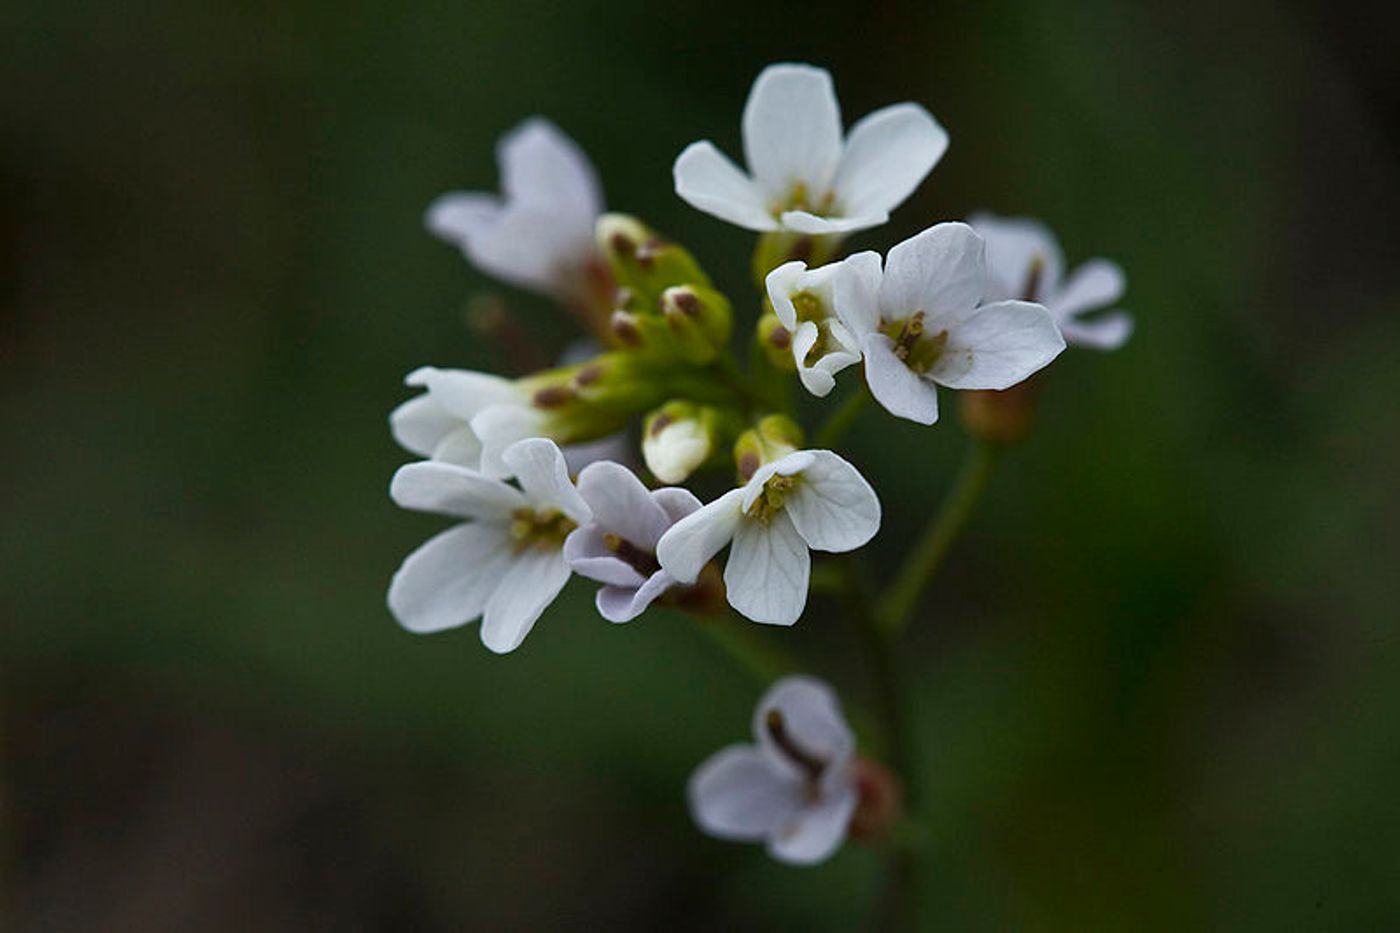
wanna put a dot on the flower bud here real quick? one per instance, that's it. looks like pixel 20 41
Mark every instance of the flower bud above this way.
pixel 680 436
pixel 1000 417
pixel 592 399
pixel 642 262
pixel 780 246
pixel 773 438
pixel 699 320
pixel 775 341
pixel 880 800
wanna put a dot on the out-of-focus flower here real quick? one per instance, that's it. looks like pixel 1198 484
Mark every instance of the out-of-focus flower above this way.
pixel 926 325
pixel 539 233
pixel 505 562
pixel 1024 261
pixel 806 499
pixel 804 177
pixel 618 546
pixel 805 301
pixel 796 789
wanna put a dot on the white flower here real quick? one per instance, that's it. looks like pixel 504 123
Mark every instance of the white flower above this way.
pixel 807 499
pixel 618 546
pixel 804 176
pixel 437 424
pixel 795 789
pixel 805 301
pixel 925 325
pixel 505 562
pixel 1024 261
pixel 539 235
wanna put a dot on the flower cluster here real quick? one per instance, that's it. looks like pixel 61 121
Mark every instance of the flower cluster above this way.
pixel 538 468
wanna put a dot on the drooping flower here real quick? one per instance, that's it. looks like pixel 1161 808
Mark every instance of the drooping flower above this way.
pixel 796 789
pixel 804 177
pixel 805 301
pixel 925 324
pixel 1024 261
pixel 504 563
pixel 618 546
pixel 806 499
pixel 539 233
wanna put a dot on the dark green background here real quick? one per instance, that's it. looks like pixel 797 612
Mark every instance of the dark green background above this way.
pixel 1157 681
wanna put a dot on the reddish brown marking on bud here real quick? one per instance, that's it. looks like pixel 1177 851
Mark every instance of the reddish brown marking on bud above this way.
pixel 659 424
pixel 688 302
pixel 553 396
pixel 621 244
pixel 780 337
pixel 880 796
pixel 625 330
pixel 748 465
pixel 589 374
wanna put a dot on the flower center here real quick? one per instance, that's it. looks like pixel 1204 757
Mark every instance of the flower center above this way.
pixel 799 199
pixel 1031 289
pixel 810 764
pixel 770 502
pixel 644 562
pixel 919 352
pixel 542 528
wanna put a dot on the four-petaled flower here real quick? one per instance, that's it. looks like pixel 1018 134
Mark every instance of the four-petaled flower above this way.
pixel 805 301
pixel 796 789
pixel 540 234
pixel 920 322
pixel 1024 261
pixel 807 499
pixel 805 177
pixel 618 546
pixel 505 562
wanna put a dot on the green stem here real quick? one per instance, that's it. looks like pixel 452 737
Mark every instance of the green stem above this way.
pixel 902 596
pixel 736 637
pixel 841 419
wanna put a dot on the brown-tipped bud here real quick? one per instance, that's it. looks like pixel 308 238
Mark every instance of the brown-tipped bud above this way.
pixel 880 800
pixel 623 325
pixel 642 260
pixel 775 341
pixel 772 438
pixel 1003 417
pixel 704 597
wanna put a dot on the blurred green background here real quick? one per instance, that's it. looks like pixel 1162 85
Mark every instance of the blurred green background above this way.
pixel 1157 681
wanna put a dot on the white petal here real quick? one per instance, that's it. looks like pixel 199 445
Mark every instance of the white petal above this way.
pixel 856 292
pixel 621 504
pixel 463 392
pixel 706 180
pixel 1014 244
pixel 781 283
pixel 809 223
pixel 529 246
pixel 816 381
pixel 499 426
pixel 767 571
pixel 998 346
pixel 461 447
pixel 677 450
pixel 458 215
pixel 795 462
pixel 812 719
pixel 887 154
pixel 619 604
pixel 1103 332
pixel 615 447
pixel 894 385
pixel 538 465
pixel 420 424
pixel 736 795
pixel 1096 284
pixel 690 543
pixel 542 166
pixel 833 507
pixel 940 271
pixel 792 129
pixel 588 556
pixel 448 489
pixel 676 502
pixel 448 581
pixel 815 833
pixel 531 581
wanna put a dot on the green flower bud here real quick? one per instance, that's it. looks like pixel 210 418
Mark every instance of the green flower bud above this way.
pixel 593 399
pixel 780 246
pixel 772 438
pixel 643 263
pixel 776 343
pixel 706 307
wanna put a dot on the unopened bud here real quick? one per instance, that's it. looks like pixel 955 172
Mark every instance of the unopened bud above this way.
pixel 775 248
pixel 775 341
pixel 698 320
pixel 879 800
pixel 1000 417
pixel 642 261
pixel 680 436
pixel 773 438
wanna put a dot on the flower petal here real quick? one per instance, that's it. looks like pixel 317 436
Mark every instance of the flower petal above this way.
pixel 940 271
pixel 887 154
pixel 538 465
pixel 1098 283
pixel 1102 332
pixel 420 424
pixel 998 346
pixel 615 447
pixel 530 583
pixel 780 285
pixel 856 292
pixel 458 215
pixel 676 502
pixel 463 393
pixel 767 571
pixel 814 225
pixel 895 385
pixel 621 504
pixel 460 446
pixel 1014 244
pixel 792 129
pixel 815 833
pixel 812 720
pixel 623 604
pixel 448 580
pixel 529 246
pixel 448 489
pixel 816 381
pixel 737 795
pixel 542 166
pixel 499 426
pixel 833 507
pixel 588 556
pixel 794 462
pixel 684 550
pixel 706 180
